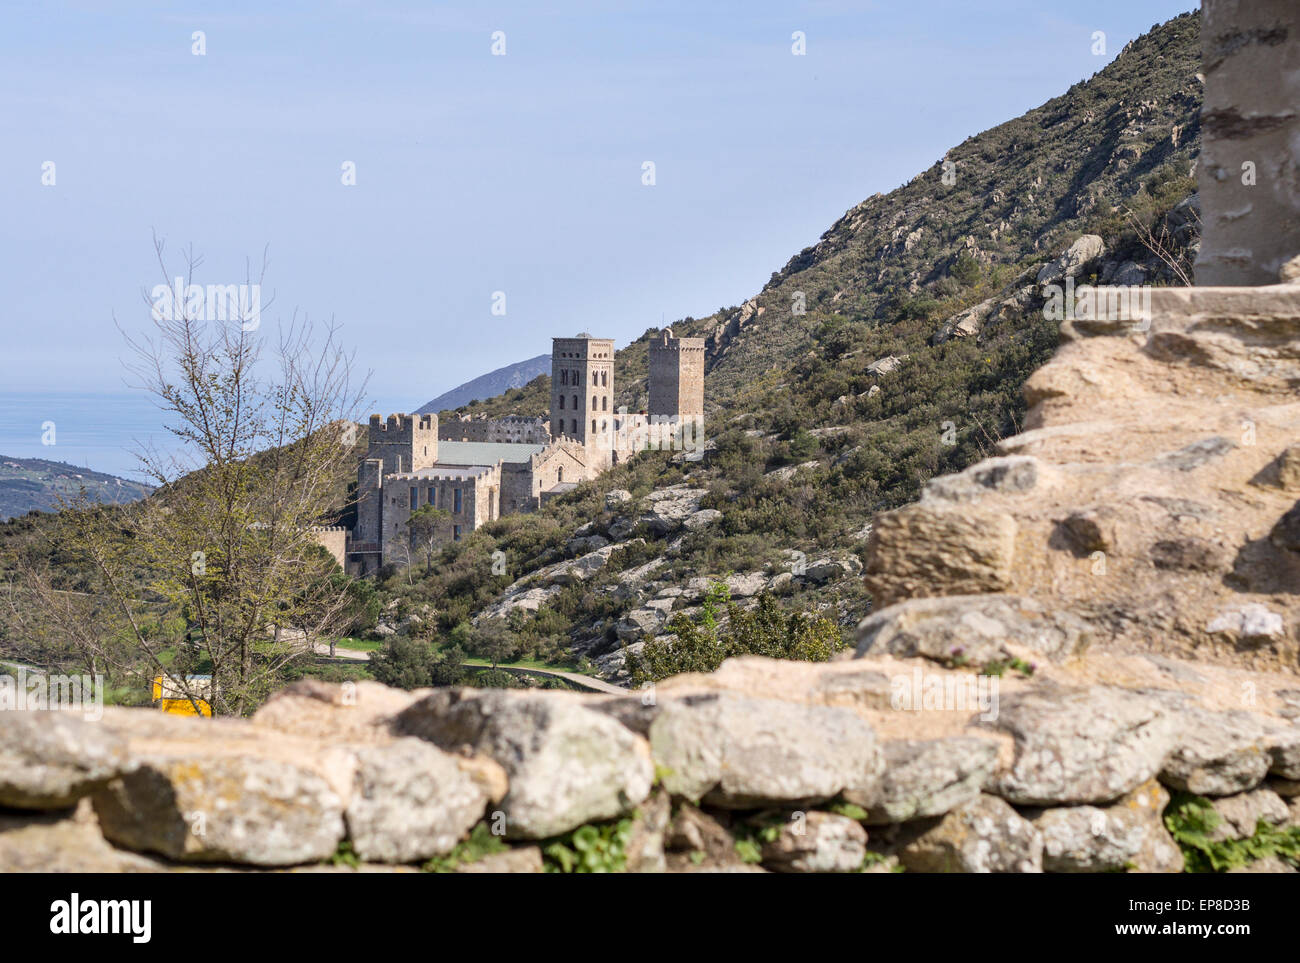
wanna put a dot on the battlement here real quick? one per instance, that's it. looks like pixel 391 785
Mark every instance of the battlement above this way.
pixel 404 442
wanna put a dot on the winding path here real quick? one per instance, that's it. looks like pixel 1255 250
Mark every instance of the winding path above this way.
pixel 587 682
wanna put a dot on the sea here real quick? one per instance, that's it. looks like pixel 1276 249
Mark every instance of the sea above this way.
pixel 96 431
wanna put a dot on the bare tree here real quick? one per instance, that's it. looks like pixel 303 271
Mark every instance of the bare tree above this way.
pixel 225 545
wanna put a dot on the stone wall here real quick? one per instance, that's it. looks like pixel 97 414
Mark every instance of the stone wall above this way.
pixel 513 429
pixel 404 442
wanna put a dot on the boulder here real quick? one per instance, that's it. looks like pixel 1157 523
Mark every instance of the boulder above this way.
pixel 923 550
pixel 1240 815
pixel 616 497
pixel 983 836
pixel 746 586
pixel 832 568
pixel 816 842
pixel 738 752
pixel 668 508
pixel 1218 753
pixel 1009 473
pixel 1090 744
pixel 50 759
pixel 927 777
pixel 1087 248
pixel 703 519
pixel 973 630
pixel 412 801
pixel 1127 835
pixel 192 806
pixel 567 764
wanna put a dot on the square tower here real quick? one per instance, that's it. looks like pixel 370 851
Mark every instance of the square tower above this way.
pixel 677 377
pixel 582 390
pixel 404 443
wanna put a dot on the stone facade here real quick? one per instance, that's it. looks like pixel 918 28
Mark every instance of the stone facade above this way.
pixel 512 429
pixel 478 469
pixel 1249 174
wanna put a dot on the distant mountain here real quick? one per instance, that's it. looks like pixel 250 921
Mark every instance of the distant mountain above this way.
pixel 34 484
pixel 489 385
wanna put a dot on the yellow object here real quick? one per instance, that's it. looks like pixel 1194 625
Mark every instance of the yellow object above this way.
pixel 169 698
pixel 183 707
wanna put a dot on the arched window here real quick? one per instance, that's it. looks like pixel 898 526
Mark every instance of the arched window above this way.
pixel 561 402
pixel 564 376
pixel 575 402
pixel 604 379
pixel 604 403
pixel 595 378
pixel 559 474
pixel 573 427
pixel 594 403
pixel 593 426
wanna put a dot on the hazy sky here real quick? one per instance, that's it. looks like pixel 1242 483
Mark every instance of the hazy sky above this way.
pixel 476 173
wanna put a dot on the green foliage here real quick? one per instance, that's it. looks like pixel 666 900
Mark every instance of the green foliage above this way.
pixel 345 856
pixel 591 848
pixel 1191 820
pixel 479 843
pixel 703 645
pixel 407 662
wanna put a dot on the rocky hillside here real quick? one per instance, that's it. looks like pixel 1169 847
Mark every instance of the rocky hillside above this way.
pixel 37 485
pixel 923 313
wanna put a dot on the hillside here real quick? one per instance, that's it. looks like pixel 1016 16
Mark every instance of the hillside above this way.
pixel 35 484
pixel 489 385
pixel 922 318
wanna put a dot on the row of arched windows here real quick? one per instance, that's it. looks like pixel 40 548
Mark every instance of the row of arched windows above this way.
pixel 599 379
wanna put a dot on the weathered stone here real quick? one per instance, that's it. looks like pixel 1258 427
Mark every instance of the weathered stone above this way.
pixel 49 759
pixel 1085 249
pixel 927 777
pixel 747 585
pixel 411 801
pixel 924 550
pixel 702 519
pixel 193 807
pixel 983 836
pixel 1081 745
pixel 1218 753
pixel 816 842
pixel 1127 835
pixel 355 713
pixel 1009 473
pixel 616 497
pixel 567 765
pixel 695 833
pixel 738 752
pixel 668 508
pixel 65 841
pixel 645 845
pixel 1241 814
pixel 831 568
pixel 520 859
pixel 972 630
pixel 1248 624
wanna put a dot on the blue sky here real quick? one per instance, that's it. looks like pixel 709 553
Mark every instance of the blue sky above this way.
pixel 476 173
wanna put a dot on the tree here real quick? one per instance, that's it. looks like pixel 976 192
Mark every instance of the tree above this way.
pixel 426 524
pixel 226 541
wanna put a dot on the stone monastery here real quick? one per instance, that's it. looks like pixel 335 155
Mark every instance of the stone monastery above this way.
pixel 479 469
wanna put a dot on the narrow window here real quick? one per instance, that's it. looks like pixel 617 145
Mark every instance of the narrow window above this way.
pixel 415 498
pixel 575 402
pixel 561 402
pixel 456 500
pixel 573 423
pixel 433 495
pixel 604 403
pixel 455 529
pixel 559 474
pixel 594 403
